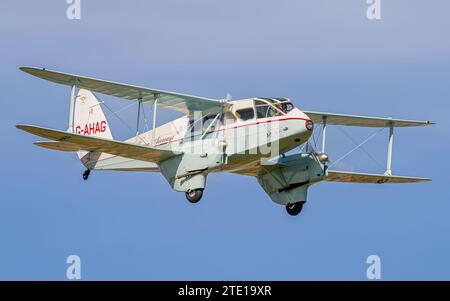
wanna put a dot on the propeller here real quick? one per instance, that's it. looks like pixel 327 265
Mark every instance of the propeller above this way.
pixel 322 157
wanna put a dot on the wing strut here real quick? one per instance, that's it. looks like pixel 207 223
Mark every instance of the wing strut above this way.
pixel 324 132
pixel 72 106
pixel 155 106
pixel 138 115
pixel 389 157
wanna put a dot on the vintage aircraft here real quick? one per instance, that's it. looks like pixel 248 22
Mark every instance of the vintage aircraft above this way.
pixel 248 137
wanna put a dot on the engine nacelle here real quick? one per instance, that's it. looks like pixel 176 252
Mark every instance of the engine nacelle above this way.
pixel 188 171
pixel 288 180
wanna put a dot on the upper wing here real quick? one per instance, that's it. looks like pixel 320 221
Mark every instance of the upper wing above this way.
pixel 355 177
pixel 364 121
pixel 168 100
pixel 94 144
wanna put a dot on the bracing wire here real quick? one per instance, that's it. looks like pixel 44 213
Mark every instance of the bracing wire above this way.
pixel 123 121
pixel 314 136
pixel 145 119
pixel 118 111
pixel 358 146
pixel 362 148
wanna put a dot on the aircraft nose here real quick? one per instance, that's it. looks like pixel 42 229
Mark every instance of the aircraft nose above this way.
pixel 309 124
pixel 302 130
pixel 305 121
pixel 302 126
pixel 307 128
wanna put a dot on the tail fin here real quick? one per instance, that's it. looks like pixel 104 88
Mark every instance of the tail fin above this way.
pixel 90 120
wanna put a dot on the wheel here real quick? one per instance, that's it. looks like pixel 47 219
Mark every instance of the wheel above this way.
pixel 294 208
pixel 86 174
pixel 194 195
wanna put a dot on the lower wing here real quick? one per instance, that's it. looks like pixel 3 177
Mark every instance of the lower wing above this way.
pixel 355 177
pixel 75 142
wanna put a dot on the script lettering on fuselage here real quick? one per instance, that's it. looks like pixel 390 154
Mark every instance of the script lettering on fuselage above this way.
pixel 164 140
pixel 91 128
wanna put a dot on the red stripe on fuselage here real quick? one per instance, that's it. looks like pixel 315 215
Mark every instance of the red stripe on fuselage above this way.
pixel 242 125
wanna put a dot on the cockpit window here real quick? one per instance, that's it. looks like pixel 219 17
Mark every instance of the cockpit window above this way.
pixel 245 114
pixel 286 107
pixel 265 110
pixel 279 107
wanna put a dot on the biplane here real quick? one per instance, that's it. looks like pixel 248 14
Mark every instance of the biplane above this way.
pixel 248 137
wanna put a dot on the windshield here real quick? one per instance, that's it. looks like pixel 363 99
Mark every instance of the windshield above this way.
pixel 277 107
pixel 285 107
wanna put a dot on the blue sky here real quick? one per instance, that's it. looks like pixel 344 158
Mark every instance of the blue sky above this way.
pixel 325 55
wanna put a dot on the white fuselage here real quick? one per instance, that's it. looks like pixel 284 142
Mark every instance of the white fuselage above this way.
pixel 243 141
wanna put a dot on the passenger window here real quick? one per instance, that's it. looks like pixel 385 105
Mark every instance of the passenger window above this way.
pixel 228 118
pixel 207 121
pixel 194 128
pixel 197 127
pixel 245 114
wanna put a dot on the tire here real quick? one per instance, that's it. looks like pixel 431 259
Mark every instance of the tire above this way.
pixel 86 174
pixel 194 196
pixel 294 208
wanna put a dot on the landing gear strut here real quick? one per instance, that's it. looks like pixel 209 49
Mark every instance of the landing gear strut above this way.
pixel 294 208
pixel 86 174
pixel 194 195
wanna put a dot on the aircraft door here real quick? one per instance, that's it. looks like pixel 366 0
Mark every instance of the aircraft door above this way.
pixel 268 131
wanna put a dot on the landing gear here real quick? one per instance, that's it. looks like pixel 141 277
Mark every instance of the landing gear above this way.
pixel 194 195
pixel 86 174
pixel 294 208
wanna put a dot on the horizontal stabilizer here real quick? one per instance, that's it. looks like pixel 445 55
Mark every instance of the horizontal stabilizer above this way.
pixel 354 177
pixel 166 99
pixel 101 145
pixel 362 121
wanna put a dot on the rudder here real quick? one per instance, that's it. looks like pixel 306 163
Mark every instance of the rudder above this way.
pixel 90 120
